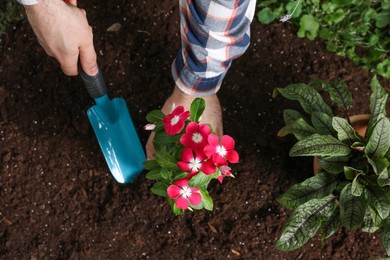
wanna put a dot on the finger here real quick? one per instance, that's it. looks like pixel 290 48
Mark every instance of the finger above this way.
pixel 150 147
pixel 69 65
pixel 88 59
pixel 84 12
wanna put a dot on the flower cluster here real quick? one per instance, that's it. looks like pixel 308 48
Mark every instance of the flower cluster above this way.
pixel 188 155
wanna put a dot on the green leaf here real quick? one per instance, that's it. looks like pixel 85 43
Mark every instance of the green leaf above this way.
pixel 378 100
pixel 308 27
pixel 386 235
pixel 350 172
pixel 154 175
pixel 378 199
pixel 207 200
pixel 180 175
pixel 315 187
pixel 160 189
pixel 266 16
pixel 300 128
pixel 342 2
pixel 320 145
pixel 352 208
pixel 175 209
pixel 337 16
pixel 165 174
pixel 292 5
pixel 151 165
pixel 379 142
pixel 304 222
pixel 166 161
pixel 379 165
pixel 371 221
pixel 322 123
pixel 333 164
pixel 383 68
pixel 308 97
pixel 383 19
pixel 266 3
pixel 164 138
pixel 196 109
pixel 345 131
pixel 197 207
pixel 155 116
pixel 331 225
pixel 199 180
pixel 357 188
pixel 384 179
pixel 339 93
pixel 291 115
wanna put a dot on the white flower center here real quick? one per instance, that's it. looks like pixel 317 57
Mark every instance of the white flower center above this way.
pixel 195 164
pixel 174 120
pixel 185 192
pixel 197 138
pixel 221 150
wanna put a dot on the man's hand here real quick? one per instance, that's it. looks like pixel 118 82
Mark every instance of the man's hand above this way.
pixel 212 114
pixel 63 31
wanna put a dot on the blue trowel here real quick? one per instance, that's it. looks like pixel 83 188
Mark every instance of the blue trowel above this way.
pixel 114 130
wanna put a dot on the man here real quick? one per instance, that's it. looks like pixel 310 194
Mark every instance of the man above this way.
pixel 213 33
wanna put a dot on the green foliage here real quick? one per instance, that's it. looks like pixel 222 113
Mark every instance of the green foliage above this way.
pixel 10 13
pixel 358 29
pixel 355 169
pixel 163 170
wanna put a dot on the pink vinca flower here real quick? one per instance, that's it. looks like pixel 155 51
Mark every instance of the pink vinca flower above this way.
pixel 221 152
pixel 225 172
pixel 182 194
pixel 195 136
pixel 193 162
pixel 174 122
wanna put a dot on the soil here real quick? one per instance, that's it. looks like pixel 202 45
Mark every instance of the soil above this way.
pixel 57 197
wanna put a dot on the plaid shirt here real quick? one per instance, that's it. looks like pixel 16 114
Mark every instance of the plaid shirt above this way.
pixel 213 33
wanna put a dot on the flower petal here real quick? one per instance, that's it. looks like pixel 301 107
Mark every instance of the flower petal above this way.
pixel 228 142
pixel 232 156
pixel 204 130
pixel 208 167
pixel 181 203
pixel 185 115
pixel 177 111
pixel 187 155
pixel 186 139
pixel 213 140
pixel 173 191
pixel 209 150
pixel 220 178
pixel 192 127
pixel 184 166
pixel 150 127
pixel 219 160
pixel 195 198
pixel 182 183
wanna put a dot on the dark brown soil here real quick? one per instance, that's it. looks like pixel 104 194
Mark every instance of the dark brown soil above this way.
pixel 57 197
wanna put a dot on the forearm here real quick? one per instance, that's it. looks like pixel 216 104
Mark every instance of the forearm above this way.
pixel 213 34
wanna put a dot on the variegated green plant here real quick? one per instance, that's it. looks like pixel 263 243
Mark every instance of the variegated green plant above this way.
pixel 353 188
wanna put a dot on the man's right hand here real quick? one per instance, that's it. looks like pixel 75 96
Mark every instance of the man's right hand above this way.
pixel 63 31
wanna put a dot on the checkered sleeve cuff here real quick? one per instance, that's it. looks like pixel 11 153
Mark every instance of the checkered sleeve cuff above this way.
pixel 213 34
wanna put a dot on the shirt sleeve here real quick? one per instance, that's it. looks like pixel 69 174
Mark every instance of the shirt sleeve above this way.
pixel 213 34
pixel 28 2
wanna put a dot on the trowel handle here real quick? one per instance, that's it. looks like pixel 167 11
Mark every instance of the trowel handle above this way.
pixel 95 85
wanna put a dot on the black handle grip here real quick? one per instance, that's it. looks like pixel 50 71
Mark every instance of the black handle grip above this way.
pixel 95 85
